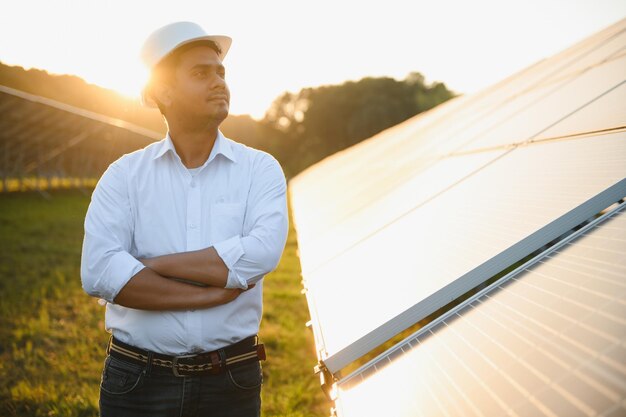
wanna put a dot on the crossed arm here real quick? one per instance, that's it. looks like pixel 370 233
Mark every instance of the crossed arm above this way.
pixel 148 290
pixel 156 287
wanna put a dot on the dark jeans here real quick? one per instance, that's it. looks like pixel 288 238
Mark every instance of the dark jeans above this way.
pixel 129 390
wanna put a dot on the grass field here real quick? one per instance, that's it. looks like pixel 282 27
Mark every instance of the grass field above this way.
pixel 52 334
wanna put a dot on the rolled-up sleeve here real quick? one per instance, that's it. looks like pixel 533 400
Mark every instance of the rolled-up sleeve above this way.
pixel 106 264
pixel 257 253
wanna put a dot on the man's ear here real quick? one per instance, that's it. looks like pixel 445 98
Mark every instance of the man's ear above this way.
pixel 163 93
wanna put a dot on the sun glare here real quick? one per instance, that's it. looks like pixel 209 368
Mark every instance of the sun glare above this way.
pixel 128 82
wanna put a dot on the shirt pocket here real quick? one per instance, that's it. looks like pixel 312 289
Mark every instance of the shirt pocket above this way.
pixel 226 220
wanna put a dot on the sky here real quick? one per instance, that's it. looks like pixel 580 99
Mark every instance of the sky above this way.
pixel 283 46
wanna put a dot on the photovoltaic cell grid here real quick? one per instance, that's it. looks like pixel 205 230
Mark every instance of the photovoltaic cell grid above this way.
pixel 549 341
pixel 491 167
pixel 495 217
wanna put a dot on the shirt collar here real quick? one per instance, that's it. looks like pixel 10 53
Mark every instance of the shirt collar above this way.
pixel 222 146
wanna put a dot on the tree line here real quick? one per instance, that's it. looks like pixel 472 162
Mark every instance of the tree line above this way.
pixel 299 129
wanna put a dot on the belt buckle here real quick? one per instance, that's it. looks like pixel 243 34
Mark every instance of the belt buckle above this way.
pixel 175 364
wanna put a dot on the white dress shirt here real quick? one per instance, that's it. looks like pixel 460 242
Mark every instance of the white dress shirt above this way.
pixel 148 203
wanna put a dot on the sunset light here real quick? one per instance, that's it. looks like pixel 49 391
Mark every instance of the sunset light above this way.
pixel 283 46
pixel 313 209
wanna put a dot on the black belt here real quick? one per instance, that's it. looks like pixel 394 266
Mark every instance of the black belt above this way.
pixel 215 362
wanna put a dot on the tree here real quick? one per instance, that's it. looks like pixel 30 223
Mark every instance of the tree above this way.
pixel 317 122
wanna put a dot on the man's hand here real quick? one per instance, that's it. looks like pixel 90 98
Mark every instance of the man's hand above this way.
pixel 226 295
pixel 202 266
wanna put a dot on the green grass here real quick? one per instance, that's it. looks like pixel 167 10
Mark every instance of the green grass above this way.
pixel 52 334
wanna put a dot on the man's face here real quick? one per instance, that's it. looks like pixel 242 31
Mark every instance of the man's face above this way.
pixel 200 88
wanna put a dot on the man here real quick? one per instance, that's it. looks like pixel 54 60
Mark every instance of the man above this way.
pixel 176 236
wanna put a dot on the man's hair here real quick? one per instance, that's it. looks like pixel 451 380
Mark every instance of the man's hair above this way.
pixel 164 71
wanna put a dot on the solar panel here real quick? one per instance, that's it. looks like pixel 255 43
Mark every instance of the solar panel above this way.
pixel 400 225
pixel 414 265
pixel 604 113
pixel 46 143
pixel 554 104
pixel 549 339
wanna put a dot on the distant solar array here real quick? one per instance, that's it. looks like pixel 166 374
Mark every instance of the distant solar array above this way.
pixel 397 227
pixel 43 140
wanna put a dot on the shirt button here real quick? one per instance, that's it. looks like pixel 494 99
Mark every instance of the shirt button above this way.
pixel 192 184
pixel 192 225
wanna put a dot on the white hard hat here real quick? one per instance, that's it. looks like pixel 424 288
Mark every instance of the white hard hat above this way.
pixel 165 40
